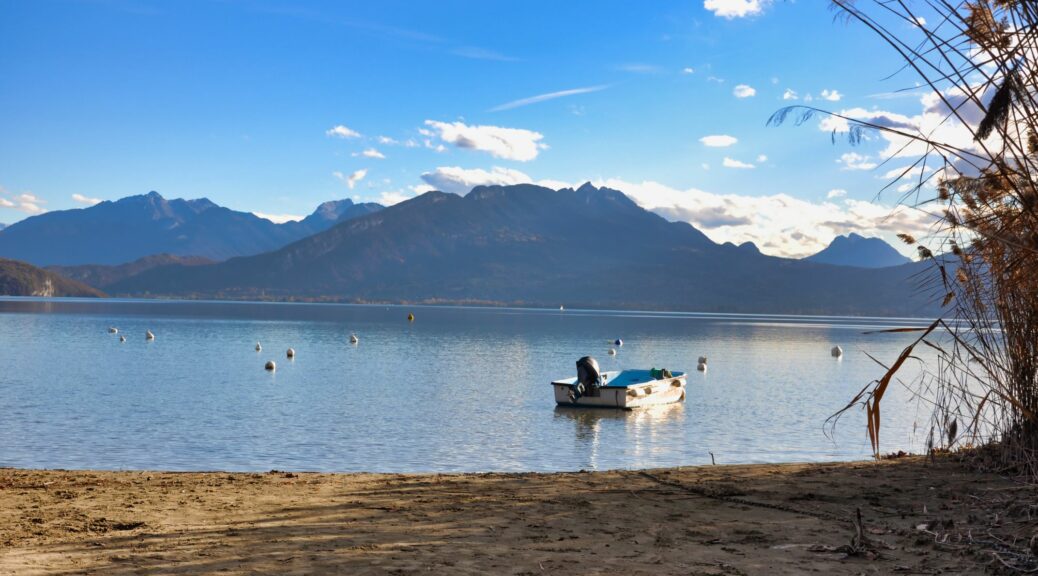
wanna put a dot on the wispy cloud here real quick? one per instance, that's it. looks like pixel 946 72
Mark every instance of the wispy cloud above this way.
pixel 341 131
pixel 549 96
pixel 351 179
pixel 855 161
pixel 477 53
pixel 640 68
pixel 836 193
pixel 718 140
pixel 371 153
pixel 733 163
pixel 790 94
pixel 85 200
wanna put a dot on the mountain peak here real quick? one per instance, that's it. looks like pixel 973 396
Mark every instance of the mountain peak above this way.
pixel 858 251
pixel 587 187
pixel 332 209
pixel 749 247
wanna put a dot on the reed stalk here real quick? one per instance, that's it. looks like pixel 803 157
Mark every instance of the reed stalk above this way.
pixel 978 60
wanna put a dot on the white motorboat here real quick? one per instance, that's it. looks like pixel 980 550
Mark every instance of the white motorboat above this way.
pixel 625 389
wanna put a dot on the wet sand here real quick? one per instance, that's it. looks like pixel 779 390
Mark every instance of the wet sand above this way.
pixel 917 518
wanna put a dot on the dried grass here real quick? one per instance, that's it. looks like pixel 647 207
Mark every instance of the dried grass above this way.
pixel 981 56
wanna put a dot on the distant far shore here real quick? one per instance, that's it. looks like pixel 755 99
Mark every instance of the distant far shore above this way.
pixel 443 304
pixel 915 517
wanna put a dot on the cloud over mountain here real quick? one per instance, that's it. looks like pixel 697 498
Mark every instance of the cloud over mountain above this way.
pixel 507 143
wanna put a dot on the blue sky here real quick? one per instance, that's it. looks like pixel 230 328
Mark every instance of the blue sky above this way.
pixel 274 107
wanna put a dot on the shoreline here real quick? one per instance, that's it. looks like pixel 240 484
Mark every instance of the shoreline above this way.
pixel 463 304
pixel 725 519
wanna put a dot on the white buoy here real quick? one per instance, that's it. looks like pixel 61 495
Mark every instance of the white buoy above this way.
pixel 836 351
pixel 148 335
pixel 618 342
pixel 271 366
pixel 562 308
pixel 612 351
pixel 701 367
pixel 702 359
pixel 113 330
pixel 290 353
pixel 258 347
pixel 122 338
pixel 354 339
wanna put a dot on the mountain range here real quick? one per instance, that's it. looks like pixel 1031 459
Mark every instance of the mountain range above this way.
pixel 530 245
pixel 856 250
pixel 138 226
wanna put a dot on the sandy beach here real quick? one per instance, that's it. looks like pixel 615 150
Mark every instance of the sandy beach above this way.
pixel 917 518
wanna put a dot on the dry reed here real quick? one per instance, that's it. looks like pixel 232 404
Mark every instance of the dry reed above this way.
pixel 979 61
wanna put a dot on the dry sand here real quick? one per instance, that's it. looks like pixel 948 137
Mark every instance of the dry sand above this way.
pixel 768 519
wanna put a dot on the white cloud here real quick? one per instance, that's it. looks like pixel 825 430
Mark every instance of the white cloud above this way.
pixel 779 224
pixel 855 161
pixel 457 180
pixel 507 143
pixel 352 179
pixel 762 158
pixel 279 218
pixel 85 200
pixel 903 172
pixel 715 79
pixel 831 95
pixel 393 197
pixel 688 70
pixel 732 163
pixel 341 131
pixel 735 8
pixel 718 140
pixel 24 202
pixel 638 68
pixel 877 117
pixel 372 153
pixel 790 94
pixel 545 97
pixel 920 21
pixel 387 141
pixel 836 193
pixel 744 91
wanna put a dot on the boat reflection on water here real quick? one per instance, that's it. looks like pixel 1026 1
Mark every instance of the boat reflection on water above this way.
pixel 644 429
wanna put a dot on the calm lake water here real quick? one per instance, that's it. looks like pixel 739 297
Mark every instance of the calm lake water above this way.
pixel 459 389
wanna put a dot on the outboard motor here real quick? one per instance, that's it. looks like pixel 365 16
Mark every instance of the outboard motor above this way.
pixel 588 378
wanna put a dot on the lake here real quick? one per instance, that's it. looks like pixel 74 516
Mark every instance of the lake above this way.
pixel 458 389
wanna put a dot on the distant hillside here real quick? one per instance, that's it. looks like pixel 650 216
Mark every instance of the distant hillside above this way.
pixel 21 279
pixel 530 245
pixel 855 250
pixel 137 226
pixel 100 276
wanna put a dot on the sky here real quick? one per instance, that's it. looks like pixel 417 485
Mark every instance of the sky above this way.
pixel 274 107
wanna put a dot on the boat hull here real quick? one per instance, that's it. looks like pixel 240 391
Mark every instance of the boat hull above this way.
pixel 654 393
